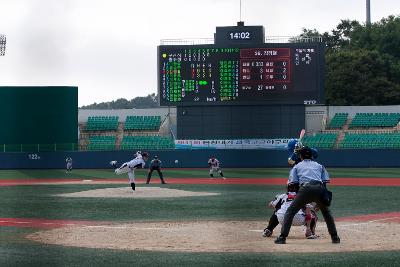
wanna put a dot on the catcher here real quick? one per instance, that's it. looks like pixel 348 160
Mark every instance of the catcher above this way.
pixel 305 217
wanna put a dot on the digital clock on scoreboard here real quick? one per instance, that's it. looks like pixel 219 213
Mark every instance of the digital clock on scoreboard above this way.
pixel 264 74
pixel 239 35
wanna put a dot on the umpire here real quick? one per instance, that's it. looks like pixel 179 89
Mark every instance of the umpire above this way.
pixel 155 165
pixel 312 178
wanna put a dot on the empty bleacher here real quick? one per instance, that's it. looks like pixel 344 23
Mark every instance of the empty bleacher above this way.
pixel 142 123
pixel 147 142
pixel 321 140
pixel 370 120
pixel 371 140
pixel 102 142
pixel 338 121
pixel 102 123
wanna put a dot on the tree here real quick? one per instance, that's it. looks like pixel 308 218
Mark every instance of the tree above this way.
pixel 149 101
pixel 359 77
pixel 362 62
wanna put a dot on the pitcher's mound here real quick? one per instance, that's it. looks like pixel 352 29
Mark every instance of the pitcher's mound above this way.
pixel 141 192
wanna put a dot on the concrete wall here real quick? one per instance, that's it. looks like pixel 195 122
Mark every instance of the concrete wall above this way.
pixel 198 158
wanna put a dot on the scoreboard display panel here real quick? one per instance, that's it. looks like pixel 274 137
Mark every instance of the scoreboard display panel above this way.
pixel 279 74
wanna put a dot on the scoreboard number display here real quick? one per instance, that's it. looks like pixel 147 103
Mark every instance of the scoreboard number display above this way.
pixel 240 35
pixel 244 75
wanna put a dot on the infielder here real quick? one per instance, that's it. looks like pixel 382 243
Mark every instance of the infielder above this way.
pixel 129 167
pixel 304 217
pixel 69 165
pixel 213 163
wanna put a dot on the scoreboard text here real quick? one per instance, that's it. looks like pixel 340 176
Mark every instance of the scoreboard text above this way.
pixel 266 74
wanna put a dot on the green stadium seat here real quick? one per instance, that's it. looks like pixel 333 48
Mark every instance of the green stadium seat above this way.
pixel 338 121
pixel 142 123
pixel 321 140
pixel 368 120
pixel 102 123
pixel 153 142
pixel 371 141
pixel 99 142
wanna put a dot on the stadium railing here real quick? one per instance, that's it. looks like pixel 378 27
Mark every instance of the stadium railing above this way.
pixel 39 147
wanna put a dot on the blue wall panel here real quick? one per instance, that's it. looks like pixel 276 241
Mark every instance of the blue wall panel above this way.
pixel 199 158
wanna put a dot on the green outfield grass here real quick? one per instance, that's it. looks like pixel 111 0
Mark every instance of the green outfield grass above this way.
pixel 198 173
pixel 235 202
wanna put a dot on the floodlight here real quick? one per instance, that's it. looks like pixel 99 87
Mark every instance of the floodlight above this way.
pixel 2 44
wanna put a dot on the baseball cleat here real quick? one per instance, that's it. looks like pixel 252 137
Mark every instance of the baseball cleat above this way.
pixel 335 240
pixel 267 232
pixel 280 240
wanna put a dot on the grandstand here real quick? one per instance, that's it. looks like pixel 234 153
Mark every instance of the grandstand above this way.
pixel 154 129
pixel 363 127
pixel 125 129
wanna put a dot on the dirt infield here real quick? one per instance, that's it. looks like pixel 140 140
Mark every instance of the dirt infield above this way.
pixel 220 236
pixel 141 192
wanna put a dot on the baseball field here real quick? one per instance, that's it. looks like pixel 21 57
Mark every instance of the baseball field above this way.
pixel 91 218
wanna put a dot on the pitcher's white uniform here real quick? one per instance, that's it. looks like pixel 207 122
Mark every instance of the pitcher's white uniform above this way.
pixel 129 167
pixel 214 165
pixel 286 200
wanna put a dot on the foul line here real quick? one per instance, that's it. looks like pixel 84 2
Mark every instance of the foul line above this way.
pixel 361 223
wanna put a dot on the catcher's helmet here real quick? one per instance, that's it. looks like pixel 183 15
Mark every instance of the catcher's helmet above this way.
pixel 293 187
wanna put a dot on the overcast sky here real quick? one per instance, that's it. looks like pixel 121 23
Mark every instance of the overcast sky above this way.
pixel 108 47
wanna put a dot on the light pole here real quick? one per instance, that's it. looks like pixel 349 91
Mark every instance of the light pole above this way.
pixel 2 44
pixel 368 10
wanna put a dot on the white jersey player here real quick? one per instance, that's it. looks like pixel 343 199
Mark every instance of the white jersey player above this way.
pixel 286 200
pixel 213 163
pixel 304 217
pixel 129 167
pixel 69 165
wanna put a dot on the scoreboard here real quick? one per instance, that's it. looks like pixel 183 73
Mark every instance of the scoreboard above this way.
pixel 290 73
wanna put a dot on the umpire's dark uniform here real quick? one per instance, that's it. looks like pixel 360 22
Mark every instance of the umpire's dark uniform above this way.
pixel 312 178
pixel 155 165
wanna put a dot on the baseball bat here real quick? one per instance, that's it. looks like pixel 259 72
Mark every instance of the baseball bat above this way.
pixel 302 133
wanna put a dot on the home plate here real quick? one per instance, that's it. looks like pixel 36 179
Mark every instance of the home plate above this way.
pixel 141 192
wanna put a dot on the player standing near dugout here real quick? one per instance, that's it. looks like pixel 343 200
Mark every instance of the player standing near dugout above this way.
pixel 214 165
pixel 69 165
pixel 129 167
pixel 155 165
pixel 312 178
